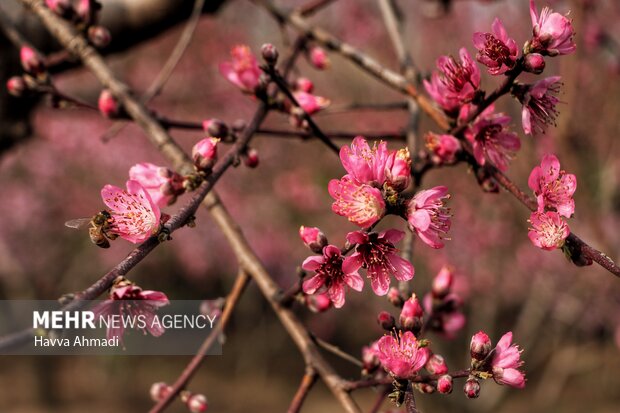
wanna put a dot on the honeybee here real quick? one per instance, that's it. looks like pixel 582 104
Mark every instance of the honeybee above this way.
pixel 98 230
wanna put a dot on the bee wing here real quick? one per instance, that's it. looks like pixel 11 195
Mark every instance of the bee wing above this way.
pixel 78 223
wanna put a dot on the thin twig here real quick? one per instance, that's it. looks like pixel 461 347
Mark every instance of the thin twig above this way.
pixel 338 352
pixel 313 6
pixel 304 388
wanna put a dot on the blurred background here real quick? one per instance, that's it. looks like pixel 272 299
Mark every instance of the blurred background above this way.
pixel 53 164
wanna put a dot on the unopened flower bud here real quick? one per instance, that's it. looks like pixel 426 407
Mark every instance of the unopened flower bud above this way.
pixel 444 384
pixel 215 128
pixel 318 303
pixel 443 147
pixel 411 314
pixel 250 158
pixel 108 105
pixel 270 53
pixel 99 36
pixel 16 86
pixel 370 360
pixel 472 388
pixel 534 63
pixel 386 320
pixel 442 283
pixel 60 7
pixel 204 153
pixel 480 346
pixel 304 84
pixel 398 170
pixel 318 58
pixel 159 391
pixel 31 61
pixel 395 298
pixel 87 10
pixel 197 403
pixel 436 364
pixel 313 238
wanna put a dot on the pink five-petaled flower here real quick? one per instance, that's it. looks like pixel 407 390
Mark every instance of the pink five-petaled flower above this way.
pixel 331 275
pixel 243 70
pixel 548 231
pixel 428 216
pixel 377 253
pixel 554 188
pixel 162 184
pixel 128 300
pixel 496 50
pixel 365 164
pixel 553 33
pixel 402 357
pixel 362 204
pixel 311 103
pixel 489 138
pixel 539 101
pixel 456 84
pixel 506 360
pixel 135 217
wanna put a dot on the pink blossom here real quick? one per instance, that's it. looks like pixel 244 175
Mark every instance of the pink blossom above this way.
pixel 539 101
pixel 490 139
pixel 311 103
pixel 313 238
pixel 451 323
pixel 496 50
pixel 135 217
pixel 370 356
pixel 362 204
pixel 548 231
pixel 445 147
pixel 31 60
pixel 319 58
pixel 162 184
pixel 204 153
pixel 159 391
pixel 16 86
pixel 108 105
pixel 318 303
pixel 365 164
pixel 428 216
pixel 398 170
pixel 331 275
pixel 377 253
pixel 197 403
pixel 402 357
pixel 506 360
pixel 59 7
pixel 127 299
pixel 456 83
pixel 304 84
pixel 534 63
pixel 442 283
pixel 436 364
pixel 243 70
pixel 553 33
pixel 553 187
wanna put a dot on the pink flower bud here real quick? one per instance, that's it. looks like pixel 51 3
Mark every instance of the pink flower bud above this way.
pixel 398 169
pixel 386 320
pixel 426 388
pixel 444 384
pixel 250 158
pixel 442 283
pixel 311 103
pixel 411 314
pixel 319 59
pixel 444 147
pixel 108 105
pixel 159 391
pixel 395 298
pixel 534 63
pixel 304 84
pixel 472 388
pixel 16 86
pixel 86 10
pixel 370 358
pixel 480 346
pixel 436 364
pixel 197 403
pixel 318 303
pixel 269 53
pixel 204 153
pixel 99 36
pixel 313 238
pixel 31 61
pixel 215 128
